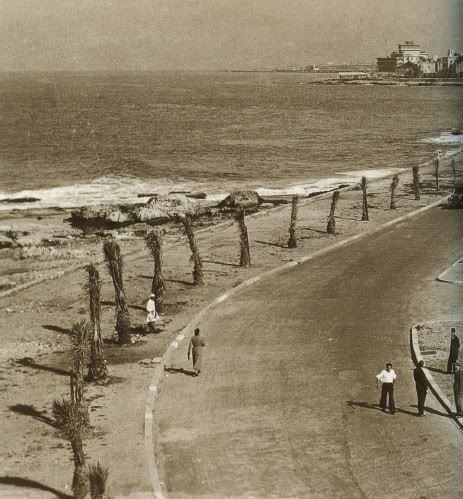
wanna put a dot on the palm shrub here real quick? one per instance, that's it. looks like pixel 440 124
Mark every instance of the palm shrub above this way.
pixel 195 256
pixel 112 252
pixel 416 182
pixel 292 241
pixel 97 476
pixel 393 187
pixel 68 418
pixel 364 186
pixel 436 171
pixel 245 255
pixel 153 241
pixel 81 333
pixel 331 225
pixel 97 366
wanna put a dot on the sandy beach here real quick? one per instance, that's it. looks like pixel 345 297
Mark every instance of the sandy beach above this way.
pixel 35 320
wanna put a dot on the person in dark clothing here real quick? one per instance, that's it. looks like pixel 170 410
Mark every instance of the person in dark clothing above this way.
pixel 197 343
pixel 454 350
pixel 458 387
pixel 421 384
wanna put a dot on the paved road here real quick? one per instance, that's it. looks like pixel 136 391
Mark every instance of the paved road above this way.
pixel 283 407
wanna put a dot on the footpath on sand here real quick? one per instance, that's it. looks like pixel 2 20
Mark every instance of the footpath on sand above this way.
pixel 286 406
pixel 35 322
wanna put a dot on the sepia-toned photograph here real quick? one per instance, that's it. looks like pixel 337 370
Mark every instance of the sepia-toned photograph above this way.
pixel 231 249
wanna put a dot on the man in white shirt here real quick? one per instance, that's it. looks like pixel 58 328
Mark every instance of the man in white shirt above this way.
pixel 387 377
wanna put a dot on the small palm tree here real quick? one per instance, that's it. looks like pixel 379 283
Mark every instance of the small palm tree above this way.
pixel 97 367
pixel 68 418
pixel 97 476
pixel 454 170
pixel 195 256
pixel 364 186
pixel 393 187
pixel 331 225
pixel 292 241
pixel 245 255
pixel 436 171
pixel 113 256
pixel 81 333
pixel 153 241
pixel 416 182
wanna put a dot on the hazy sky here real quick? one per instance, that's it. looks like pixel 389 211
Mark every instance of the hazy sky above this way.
pixel 210 34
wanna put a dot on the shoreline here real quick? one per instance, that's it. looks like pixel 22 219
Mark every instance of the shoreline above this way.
pixel 391 83
pixel 43 241
pixel 26 200
pixel 46 244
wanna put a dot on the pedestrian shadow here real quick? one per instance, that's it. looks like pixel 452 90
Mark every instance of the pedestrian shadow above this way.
pixel 434 411
pixel 409 413
pixel 30 410
pixel 364 405
pixel 28 362
pixel 17 481
pixel 179 370
pixel 376 407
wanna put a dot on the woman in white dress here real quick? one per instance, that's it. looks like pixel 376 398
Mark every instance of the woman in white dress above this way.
pixel 152 315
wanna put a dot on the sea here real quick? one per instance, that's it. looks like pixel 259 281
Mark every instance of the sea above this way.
pixel 73 139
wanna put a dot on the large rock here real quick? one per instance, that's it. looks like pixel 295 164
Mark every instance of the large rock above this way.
pixel 240 199
pixel 19 200
pixel 157 210
pixel 5 242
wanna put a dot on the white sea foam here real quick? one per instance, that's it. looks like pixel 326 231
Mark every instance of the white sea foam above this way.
pixel 445 138
pixel 107 189
pixel 125 190
pixel 327 184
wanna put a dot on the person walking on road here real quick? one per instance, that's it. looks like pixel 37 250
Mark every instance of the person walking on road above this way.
pixel 458 387
pixel 197 343
pixel 454 350
pixel 152 315
pixel 387 377
pixel 421 384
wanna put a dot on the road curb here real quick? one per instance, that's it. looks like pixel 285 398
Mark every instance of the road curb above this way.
pixel 434 387
pixel 158 488
pixel 441 277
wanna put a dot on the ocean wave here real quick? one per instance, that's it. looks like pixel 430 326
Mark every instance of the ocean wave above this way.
pixel 125 190
pixel 330 183
pixel 108 189
pixel 446 138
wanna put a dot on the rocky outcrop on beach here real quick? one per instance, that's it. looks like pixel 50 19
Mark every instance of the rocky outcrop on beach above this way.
pixel 5 241
pixel 19 200
pixel 240 199
pixel 158 210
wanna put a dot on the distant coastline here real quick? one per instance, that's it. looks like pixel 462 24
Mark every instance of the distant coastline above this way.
pixel 409 82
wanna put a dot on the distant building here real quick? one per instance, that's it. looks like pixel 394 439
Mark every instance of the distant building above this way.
pixel 427 68
pixel 409 60
pixel 407 53
pixel 459 67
